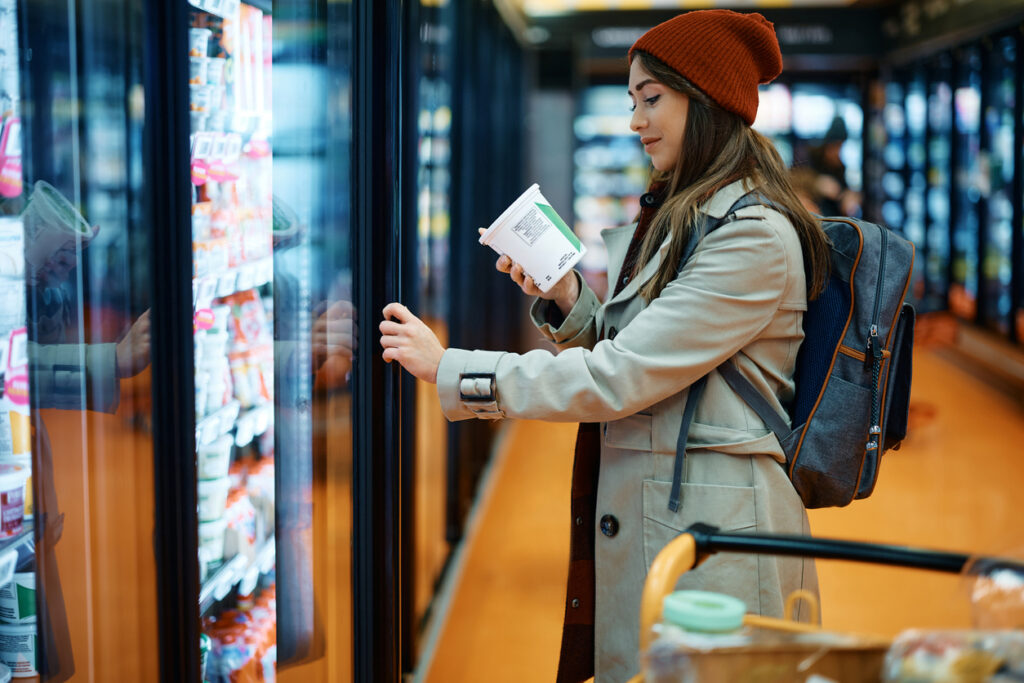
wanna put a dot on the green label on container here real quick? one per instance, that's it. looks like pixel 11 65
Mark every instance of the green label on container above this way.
pixel 26 601
pixel 557 220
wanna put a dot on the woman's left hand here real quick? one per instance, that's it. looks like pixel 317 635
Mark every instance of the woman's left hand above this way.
pixel 408 340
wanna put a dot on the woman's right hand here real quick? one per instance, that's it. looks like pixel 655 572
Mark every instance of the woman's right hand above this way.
pixel 563 293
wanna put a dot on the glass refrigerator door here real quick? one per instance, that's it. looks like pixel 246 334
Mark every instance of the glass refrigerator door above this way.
pixel 433 228
pixel 894 157
pixel 996 264
pixel 273 338
pixel 938 146
pixel 77 416
pixel 967 185
pixel 914 223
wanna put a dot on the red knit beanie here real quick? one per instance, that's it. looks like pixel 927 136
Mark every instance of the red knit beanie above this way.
pixel 724 53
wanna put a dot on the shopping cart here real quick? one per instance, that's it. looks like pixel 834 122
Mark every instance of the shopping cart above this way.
pixel 700 541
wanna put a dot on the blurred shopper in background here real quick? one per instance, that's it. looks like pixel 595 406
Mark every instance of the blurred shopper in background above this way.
pixel 624 367
pixel 832 193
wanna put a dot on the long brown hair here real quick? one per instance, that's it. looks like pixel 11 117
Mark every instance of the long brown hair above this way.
pixel 719 148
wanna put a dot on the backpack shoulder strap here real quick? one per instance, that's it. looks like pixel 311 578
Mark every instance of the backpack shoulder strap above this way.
pixel 753 398
pixel 712 223
pixel 732 376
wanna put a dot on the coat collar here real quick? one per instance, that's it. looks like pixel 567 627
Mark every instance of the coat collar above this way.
pixel 617 240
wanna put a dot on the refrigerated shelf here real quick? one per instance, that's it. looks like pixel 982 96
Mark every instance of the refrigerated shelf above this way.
pixel 241 278
pixel 237 571
pixel 247 424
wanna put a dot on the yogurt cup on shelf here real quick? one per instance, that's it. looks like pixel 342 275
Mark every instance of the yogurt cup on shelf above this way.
pixel 12 498
pixel 215 458
pixel 211 539
pixel 213 498
pixel 198 41
pixel 533 235
pixel 18 599
pixel 52 224
pixel 18 649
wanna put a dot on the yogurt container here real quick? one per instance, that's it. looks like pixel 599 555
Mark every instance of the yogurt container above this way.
pixel 18 599
pixel 51 223
pixel 12 498
pixel 215 70
pixel 211 539
pixel 213 498
pixel 198 41
pixel 18 649
pixel 24 460
pixel 198 70
pixel 215 458
pixel 533 235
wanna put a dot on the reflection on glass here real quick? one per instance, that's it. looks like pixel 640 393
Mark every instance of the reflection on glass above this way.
pixel 996 264
pixel 78 367
pixel 313 330
pixel 433 214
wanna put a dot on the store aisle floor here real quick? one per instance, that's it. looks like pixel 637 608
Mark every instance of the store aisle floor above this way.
pixel 953 485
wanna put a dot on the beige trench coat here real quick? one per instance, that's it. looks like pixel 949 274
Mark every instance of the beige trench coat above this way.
pixel 628 364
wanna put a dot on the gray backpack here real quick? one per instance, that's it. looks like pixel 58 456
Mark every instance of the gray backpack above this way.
pixel 853 369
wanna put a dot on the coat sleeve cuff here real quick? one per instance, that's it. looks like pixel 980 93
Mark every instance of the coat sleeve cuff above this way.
pixel 467 386
pixel 59 376
pixel 545 316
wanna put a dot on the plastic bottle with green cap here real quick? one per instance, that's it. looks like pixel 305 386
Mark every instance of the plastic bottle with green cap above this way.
pixel 204 654
pixel 704 611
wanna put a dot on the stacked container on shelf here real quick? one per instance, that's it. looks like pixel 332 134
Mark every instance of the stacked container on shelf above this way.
pixel 232 216
pixel 244 640
pixel 17 548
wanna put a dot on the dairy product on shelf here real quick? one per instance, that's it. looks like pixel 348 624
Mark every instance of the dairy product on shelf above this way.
pixel 18 599
pixel 18 649
pixel 12 498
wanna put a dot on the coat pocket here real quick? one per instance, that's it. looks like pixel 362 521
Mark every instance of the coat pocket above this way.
pixel 730 508
pixel 632 433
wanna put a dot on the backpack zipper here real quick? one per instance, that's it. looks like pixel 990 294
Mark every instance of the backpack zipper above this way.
pixel 876 352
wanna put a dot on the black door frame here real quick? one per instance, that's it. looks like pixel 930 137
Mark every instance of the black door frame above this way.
pixel 166 171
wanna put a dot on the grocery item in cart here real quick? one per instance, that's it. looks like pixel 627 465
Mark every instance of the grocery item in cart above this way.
pixel 955 656
pixel 708 636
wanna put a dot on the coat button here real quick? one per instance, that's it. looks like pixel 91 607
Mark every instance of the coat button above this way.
pixel 609 525
pixel 579 521
pixel 575 602
pixel 648 199
pixel 612 332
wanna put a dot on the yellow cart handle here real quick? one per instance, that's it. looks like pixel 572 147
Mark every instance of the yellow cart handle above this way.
pixel 680 556
pixel 674 560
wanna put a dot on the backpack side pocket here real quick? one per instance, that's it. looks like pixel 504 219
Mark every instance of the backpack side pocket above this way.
pixel 897 394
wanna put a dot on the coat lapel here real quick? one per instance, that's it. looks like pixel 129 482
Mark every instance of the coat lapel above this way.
pixel 646 273
pixel 617 242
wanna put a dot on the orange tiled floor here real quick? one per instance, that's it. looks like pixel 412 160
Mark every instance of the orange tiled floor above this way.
pixel 953 485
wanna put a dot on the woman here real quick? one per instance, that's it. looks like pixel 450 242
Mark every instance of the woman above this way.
pixel 628 363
